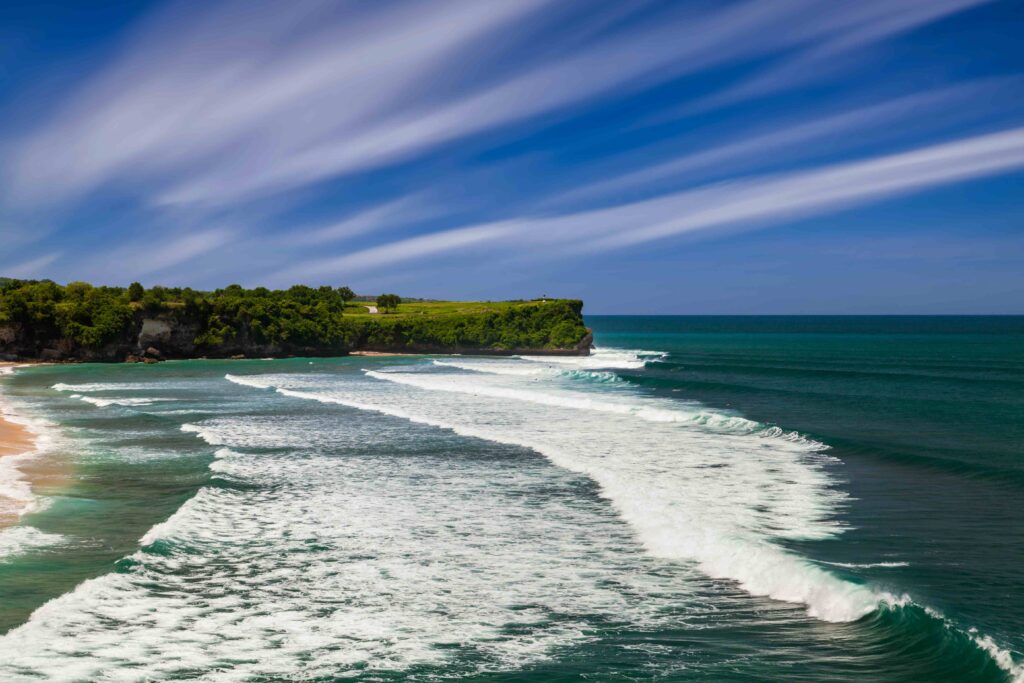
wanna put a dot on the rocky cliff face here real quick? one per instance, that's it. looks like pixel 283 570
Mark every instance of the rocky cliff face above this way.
pixel 165 336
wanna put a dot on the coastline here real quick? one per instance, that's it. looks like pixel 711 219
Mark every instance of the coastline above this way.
pixel 16 440
pixel 383 353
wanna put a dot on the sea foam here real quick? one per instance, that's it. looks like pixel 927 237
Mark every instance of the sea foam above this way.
pixel 16 496
pixel 345 563
pixel 695 485
pixel 337 541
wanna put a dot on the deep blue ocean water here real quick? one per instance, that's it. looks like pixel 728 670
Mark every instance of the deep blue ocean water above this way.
pixel 704 498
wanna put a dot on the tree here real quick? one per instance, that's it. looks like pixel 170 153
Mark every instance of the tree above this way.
pixel 388 302
pixel 346 294
pixel 135 292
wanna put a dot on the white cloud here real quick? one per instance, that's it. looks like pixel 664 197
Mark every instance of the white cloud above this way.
pixel 146 257
pixel 376 218
pixel 33 268
pixel 390 253
pixel 231 103
pixel 823 190
pixel 861 24
pixel 849 127
pixel 263 84
pixel 750 204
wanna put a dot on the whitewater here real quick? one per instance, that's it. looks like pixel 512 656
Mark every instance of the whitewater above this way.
pixel 449 517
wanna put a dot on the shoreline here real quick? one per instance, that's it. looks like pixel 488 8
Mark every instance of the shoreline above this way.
pixel 386 353
pixel 16 440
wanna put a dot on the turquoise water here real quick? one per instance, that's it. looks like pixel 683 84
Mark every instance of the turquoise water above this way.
pixel 703 499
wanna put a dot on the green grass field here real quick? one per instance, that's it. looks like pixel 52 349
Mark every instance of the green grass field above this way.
pixel 444 308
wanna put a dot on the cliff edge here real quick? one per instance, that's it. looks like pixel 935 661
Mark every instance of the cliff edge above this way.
pixel 41 320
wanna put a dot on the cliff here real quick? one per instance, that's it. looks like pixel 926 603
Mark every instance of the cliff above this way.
pixel 45 321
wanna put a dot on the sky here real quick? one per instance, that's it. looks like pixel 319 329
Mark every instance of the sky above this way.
pixel 721 157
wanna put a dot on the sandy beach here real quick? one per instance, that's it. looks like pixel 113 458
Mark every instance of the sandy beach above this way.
pixel 14 440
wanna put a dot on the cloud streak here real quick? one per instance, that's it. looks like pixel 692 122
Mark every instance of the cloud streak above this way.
pixel 750 204
pixel 233 104
pixel 422 246
pixel 242 115
pixel 847 128
pixel 32 268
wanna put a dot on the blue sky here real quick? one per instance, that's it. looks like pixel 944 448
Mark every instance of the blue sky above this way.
pixel 767 156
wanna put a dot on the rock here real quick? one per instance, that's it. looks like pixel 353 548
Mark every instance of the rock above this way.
pixel 238 356
pixel 148 360
pixel 586 344
pixel 132 358
pixel 153 352
pixel 154 330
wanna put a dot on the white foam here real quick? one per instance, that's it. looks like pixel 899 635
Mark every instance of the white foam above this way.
pixel 17 540
pixel 77 391
pixel 333 566
pixel 603 359
pixel 127 402
pixel 1003 659
pixel 16 496
pixel 867 565
pixel 496 367
pixel 90 387
pixel 335 560
pixel 521 370
pixel 652 410
pixel 695 484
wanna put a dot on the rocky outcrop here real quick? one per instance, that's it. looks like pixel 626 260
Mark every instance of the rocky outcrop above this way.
pixel 155 331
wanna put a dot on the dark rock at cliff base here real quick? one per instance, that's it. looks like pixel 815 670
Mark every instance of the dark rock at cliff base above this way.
pixel 152 352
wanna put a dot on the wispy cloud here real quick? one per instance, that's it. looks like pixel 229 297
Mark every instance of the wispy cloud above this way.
pixel 154 256
pixel 376 218
pixel 852 127
pixel 758 202
pixel 229 104
pixel 32 268
pixel 749 204
pixel 861 25
pixel 420 247
pixel 263 85
pixel 245 115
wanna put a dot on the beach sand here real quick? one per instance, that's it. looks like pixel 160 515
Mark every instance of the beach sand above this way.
pixel 14 440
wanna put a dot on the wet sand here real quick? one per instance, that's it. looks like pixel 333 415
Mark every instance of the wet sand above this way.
pixel 14 440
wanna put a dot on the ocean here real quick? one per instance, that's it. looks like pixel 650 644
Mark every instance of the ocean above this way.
pixel 703 498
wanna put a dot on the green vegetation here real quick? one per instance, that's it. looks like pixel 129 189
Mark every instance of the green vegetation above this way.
pixel 106 321
pixel 94 316
pixel 504 325
pixel 388 303
pixel 346 294
pixel 83 314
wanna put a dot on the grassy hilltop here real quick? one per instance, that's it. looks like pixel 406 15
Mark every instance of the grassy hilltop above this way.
pixel 42 319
